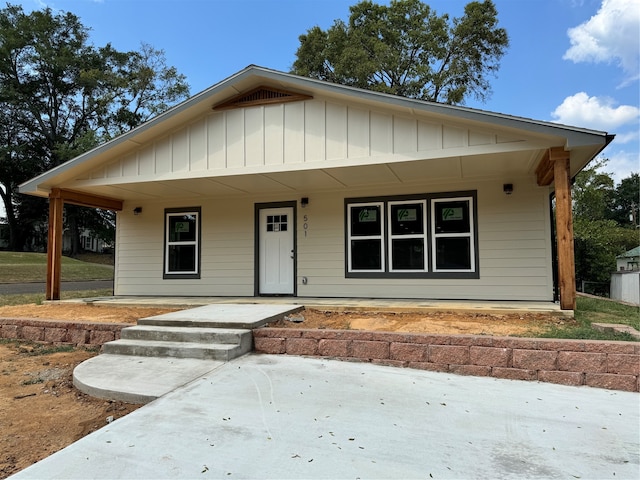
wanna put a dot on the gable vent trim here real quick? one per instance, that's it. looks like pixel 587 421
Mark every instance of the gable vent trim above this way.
pixel 262 96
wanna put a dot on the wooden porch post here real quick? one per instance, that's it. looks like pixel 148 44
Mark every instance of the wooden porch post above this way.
pixel 54 246
pixel 564 228
pixel 57 198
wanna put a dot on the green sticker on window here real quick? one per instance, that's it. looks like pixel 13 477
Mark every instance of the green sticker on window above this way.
pixel 368 215
pixel 182 227
pixel 453 213
pixel 407 214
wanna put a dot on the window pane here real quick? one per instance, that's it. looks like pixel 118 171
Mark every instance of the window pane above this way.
pixel 453 253
pixel 407 219
pixel 182 258
pixel 366 220
pixel 366 255
pixel 182 228
pixel 407 254
pixel 452 217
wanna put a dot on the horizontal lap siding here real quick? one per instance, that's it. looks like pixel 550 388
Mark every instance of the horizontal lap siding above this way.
pixel 513 238
pixel 514 244
pixel 226 251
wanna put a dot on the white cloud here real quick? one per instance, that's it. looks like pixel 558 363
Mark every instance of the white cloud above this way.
pixel 621 164
pixel 598 113
pixel 612 34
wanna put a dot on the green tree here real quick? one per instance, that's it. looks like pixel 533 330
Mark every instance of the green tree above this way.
pixel 61 96
pixel 598 237
pixel 407 49
pixel 627 201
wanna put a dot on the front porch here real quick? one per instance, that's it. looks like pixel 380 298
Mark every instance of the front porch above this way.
pixel 334 303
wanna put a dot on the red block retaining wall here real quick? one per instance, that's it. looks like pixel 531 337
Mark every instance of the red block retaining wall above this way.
pixel 77 333
pixel 612 365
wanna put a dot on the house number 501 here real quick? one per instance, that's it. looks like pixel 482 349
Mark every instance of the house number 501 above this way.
pixel 305 226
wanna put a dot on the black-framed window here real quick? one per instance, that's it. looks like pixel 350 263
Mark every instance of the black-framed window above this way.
pixel 182 243
pixel 365 237
pixel 407 236
pixel 453 235
pixel 412 236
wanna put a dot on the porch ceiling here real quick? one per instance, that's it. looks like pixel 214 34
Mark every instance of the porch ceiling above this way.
pixel 503 166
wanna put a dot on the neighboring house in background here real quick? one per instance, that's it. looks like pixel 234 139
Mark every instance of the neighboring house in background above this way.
pixel 272 184
pixel 88 242
pixel 625 282
pixel 629 260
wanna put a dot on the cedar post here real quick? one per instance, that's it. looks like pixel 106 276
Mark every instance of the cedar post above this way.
pixel 57 198
pixel 564 228
pixel 54 247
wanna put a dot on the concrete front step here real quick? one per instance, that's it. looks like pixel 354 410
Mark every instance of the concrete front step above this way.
pixel 202 351
pixel 187 334
pixel 223 316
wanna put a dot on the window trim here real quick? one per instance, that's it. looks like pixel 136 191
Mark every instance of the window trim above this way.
pixel 424 235
pixel 429 271
pixel 169 212
pixel 469 234
pixel 381 237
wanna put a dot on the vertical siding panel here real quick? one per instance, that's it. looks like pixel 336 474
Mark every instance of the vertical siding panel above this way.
pixel 274 135
pixel 336 128
pixel 405 135
pixel 216 134
pixel 235 138
pixel 114 170
pixel 429 136
pixel 254 136
pixel 180 151
pixel 294 132
pixel 198 146
pixel 145 161
pixel 381 136
pixel 314 121
pixel 358 132
pixel 130 165
pixel 163 156
pixel 453 137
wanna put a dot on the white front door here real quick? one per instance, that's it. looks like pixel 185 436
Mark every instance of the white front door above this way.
pixel 276 255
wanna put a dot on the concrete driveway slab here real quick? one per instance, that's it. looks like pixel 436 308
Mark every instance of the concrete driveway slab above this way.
pixel 266 417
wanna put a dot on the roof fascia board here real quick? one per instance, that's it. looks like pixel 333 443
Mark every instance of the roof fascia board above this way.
pixel 574 136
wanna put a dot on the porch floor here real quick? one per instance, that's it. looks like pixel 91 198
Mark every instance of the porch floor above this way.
pixel 396 305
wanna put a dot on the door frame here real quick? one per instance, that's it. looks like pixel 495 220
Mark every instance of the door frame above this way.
pixel 256 244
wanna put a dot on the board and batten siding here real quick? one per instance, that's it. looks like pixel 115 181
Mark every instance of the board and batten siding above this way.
pixel 513 234
pixel 295 136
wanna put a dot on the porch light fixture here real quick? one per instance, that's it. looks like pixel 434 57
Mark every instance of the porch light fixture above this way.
pixel 304 201
pixel 137 210
pixel 507 188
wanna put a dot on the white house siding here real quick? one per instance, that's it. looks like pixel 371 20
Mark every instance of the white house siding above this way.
pixel 513 238
pixel 226 253
pixel 297 136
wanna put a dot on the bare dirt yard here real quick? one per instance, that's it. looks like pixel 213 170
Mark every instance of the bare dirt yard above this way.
pixel 41 412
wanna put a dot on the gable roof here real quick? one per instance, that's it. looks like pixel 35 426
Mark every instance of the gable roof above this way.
pixel 256 85
pixel 634 252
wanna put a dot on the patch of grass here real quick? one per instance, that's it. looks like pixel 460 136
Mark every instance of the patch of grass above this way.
pixel 38 298
pixel 40 349
pixel 33 381
pixel 594 310
pixel 22 267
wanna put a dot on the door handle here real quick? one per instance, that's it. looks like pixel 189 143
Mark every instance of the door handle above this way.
pixel 292 254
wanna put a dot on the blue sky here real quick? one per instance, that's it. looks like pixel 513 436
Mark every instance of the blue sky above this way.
pixel 570 61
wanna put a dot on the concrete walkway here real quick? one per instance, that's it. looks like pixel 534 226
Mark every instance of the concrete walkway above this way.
pixel 265 417
pixel 152 372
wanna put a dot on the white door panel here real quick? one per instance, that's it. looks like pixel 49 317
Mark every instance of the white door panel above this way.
pixel 276 252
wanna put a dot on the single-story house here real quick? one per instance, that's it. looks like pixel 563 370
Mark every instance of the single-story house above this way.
pixel 268 183
pixel 629 260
